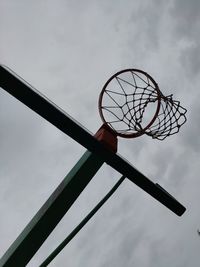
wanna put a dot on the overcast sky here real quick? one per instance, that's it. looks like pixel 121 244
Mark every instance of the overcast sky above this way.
pixel 67 50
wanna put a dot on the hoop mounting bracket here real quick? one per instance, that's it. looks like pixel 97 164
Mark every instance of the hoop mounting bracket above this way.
pixel 108 137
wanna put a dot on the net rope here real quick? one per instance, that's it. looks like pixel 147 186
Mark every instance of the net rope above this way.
pixel 126 101
pixel 169 120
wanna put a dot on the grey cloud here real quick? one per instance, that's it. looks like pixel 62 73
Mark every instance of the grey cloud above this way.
pixel 190 59
pixel 186 17
pixel 68 50
pixel 146 22
pixel 190 138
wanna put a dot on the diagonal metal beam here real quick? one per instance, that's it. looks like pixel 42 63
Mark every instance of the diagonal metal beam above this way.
pixel 25 93
pixel 66 241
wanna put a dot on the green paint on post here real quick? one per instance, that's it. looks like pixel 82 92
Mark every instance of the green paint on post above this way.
pixel 81 224
pixel 46 219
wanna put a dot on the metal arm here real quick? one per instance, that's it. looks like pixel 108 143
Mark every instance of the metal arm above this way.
pixel 25 93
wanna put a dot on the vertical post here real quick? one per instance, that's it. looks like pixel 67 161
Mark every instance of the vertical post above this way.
pixel 49 215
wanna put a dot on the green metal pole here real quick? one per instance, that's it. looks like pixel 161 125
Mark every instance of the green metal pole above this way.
pixel 49 215
pixel 82 223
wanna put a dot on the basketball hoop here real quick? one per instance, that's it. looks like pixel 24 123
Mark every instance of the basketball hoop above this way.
pixel 131 104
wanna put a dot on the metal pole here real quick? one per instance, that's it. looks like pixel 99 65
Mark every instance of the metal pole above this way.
pixel 82 223
pixel 49 215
